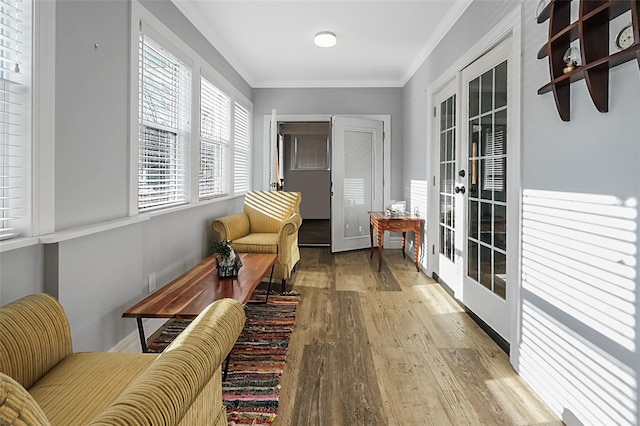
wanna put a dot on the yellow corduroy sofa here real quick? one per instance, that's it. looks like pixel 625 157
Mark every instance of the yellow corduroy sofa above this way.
pixel 268 224
pixel 42 382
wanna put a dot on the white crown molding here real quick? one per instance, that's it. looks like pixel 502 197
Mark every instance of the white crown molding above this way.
pixel 364 83
pixel 445 26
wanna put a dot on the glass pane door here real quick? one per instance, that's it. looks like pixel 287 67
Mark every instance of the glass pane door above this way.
pixel 487 202
pixel 447 177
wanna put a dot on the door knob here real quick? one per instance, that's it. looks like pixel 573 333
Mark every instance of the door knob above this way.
pixel 461 173
pixel 459 189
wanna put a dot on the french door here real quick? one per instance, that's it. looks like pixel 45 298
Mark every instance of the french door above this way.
pixel 472 135
pixel 449 201
pixel 486 132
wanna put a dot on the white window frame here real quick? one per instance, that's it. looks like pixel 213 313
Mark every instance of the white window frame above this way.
pixel 241 149
pixel 176 123
pixel 16 91
pixel 159 32
pixel 217 138
pixel 39 183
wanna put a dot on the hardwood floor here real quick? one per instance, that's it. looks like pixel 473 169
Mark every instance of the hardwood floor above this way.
pixel 393 348
pixel 315 232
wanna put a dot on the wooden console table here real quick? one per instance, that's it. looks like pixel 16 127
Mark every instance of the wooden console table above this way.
pixel 382 222
pixel 188 295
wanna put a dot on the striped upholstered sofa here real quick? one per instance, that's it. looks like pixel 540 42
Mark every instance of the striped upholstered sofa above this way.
pixel 42 382
pixel 268 224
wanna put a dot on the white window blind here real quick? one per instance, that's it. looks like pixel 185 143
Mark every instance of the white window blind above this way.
pixel 215 113
pixel 15 93
pixel 241 148
pixel 165 111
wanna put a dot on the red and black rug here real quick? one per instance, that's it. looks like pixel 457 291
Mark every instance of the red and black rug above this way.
pixel 251 390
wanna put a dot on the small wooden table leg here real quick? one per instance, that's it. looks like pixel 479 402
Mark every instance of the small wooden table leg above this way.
pixel 371 237
pixel 380 232
pixel 417 241
pixel 404 241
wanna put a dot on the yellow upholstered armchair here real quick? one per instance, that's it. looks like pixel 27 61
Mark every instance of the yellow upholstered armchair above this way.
pixel 269 224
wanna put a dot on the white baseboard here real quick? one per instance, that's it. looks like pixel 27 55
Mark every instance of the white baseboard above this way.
pixel 131 343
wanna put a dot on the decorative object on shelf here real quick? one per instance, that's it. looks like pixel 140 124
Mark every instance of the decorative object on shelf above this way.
pixel 540 7
pixel 572 59
pixel 624 39
pixel 591 29
pixel 227 262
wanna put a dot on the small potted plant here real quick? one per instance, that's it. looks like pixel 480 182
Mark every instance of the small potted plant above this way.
pixel 226 260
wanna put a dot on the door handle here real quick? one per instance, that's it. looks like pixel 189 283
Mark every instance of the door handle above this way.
pixel 459 189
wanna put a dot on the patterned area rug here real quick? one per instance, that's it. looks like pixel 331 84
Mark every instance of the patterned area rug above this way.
pixel 252 390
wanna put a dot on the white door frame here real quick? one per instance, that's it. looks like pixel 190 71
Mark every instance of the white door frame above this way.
pixel 390 241
pixel 510 25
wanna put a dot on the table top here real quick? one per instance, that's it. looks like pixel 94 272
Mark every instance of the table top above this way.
pixel 190 293
pixel 383 216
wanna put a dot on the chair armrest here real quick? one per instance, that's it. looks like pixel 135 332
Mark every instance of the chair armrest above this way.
pixel 288 236
pixel 291 225
pixel 34 337
pixel 163 393
pixel 232 227
pixel 17 406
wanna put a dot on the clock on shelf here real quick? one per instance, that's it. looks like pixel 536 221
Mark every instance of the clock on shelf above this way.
pixel 624 39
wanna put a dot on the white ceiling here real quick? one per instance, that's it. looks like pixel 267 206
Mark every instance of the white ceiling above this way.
pixel 270 43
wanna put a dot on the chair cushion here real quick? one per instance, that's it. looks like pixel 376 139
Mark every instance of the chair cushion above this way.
pixel 256 243
pixel 85 383
pixel 17 406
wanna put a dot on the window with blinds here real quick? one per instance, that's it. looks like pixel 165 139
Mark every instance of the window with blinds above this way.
pixel 15 121
pixel 241 147
pixel 215 114
pixel 165 111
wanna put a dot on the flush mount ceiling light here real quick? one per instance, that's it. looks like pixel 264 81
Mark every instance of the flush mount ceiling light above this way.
pixel 325 39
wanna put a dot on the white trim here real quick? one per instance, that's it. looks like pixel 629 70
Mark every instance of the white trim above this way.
pixel 515 189
pixel 359 83
pixel 136 10
pixel 82 231
pixel 194 149
pixel 439 33
pixel 17 243
pixel 490 39
pixel 43 118
pixel 182 207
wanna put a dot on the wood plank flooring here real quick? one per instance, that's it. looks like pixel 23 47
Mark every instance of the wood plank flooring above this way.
pixel 392 348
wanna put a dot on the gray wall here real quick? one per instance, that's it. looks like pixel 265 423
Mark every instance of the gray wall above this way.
pixel 314 185
pixel 579 342
pixel 330 101
pixel 98 276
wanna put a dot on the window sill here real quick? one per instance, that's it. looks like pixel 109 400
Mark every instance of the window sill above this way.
pixel 82 231
pixel 18 243
pixel 182 207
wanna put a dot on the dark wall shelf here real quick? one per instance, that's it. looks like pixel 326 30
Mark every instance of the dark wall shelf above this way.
pixel 592 31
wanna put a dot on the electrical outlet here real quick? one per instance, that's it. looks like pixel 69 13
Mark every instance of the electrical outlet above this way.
pixel 151 280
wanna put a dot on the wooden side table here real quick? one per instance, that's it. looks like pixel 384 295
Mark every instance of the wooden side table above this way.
pixel 382 222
